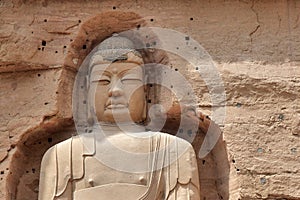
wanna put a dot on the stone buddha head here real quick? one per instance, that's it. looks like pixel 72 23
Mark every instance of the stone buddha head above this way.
pixel 116 91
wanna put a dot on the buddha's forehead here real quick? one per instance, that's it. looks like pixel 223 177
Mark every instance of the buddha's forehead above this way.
pixel 128 61
pixel 118 67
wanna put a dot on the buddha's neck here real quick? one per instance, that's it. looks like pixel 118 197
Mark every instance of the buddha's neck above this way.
pixel 113 129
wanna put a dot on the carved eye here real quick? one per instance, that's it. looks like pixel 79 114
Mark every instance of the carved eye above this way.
pixel 131 79
pixel 101 80
pixel 104 82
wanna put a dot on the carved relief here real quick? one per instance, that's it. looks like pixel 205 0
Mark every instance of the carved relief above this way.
pixel 117 157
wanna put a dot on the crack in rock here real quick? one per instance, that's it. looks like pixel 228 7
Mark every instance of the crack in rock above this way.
pixel 257 21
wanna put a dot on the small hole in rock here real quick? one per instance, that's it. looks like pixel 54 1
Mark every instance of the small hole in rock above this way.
pixel 39 74
pixel 114 7
pixel 294 150
pixel 151 20
pixel 56 51
pixel 191 19
pixel 203 162
pixel 46 103
pixel 263 180
pixel 2 172
pixel 49 140
pixel 32 32
pixel 65 47
pixel 176 69
pixel 233 160
pixel 44 42
pixel 197 68
pixel 39 48
pixel 79 21
pixel 149 101
pixel 45 20
pixel 138 26
pixel 33 170
pixel 84 46
pixel 260 150
pixel 281 116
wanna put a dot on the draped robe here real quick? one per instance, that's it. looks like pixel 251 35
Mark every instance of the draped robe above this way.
pixel 174 173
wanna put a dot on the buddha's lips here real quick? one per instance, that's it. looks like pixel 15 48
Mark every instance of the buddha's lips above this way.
pixel 116 106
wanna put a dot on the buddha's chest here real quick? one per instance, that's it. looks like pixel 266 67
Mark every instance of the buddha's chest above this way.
pixel 96 174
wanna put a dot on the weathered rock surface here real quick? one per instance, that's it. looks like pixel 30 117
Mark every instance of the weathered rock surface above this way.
pixel 256 47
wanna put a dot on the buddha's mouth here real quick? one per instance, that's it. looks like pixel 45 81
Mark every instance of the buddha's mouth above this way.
pixel 116 106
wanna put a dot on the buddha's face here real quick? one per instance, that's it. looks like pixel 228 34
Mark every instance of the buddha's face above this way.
pixel 119 91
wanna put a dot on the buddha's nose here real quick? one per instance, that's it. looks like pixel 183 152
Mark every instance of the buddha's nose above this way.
pixel 116 89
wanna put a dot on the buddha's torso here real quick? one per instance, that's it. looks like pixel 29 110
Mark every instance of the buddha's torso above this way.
pixel 79 174
pixel 107 175
pixel 100 177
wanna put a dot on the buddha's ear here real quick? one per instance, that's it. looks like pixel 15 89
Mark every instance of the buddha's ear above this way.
pixel 146 89
pixel 144 115
pixel 90 111
pixel 89 105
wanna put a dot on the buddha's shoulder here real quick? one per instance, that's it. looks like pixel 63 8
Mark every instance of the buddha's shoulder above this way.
pixel 62 146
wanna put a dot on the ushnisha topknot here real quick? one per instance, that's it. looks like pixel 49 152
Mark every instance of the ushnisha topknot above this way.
pixel 116 48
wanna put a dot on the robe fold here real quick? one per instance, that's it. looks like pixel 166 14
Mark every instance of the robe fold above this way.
pixel 174 175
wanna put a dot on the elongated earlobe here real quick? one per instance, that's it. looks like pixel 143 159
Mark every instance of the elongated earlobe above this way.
pixel 90 113
pixel 90 110
pixel 144 117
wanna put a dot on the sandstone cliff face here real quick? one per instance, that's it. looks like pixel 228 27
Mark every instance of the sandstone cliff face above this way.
pixel 255 46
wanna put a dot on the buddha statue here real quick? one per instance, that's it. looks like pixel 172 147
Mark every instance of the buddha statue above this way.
pixel 118 158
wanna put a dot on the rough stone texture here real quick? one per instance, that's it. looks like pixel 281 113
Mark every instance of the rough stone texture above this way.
pixel 256 47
